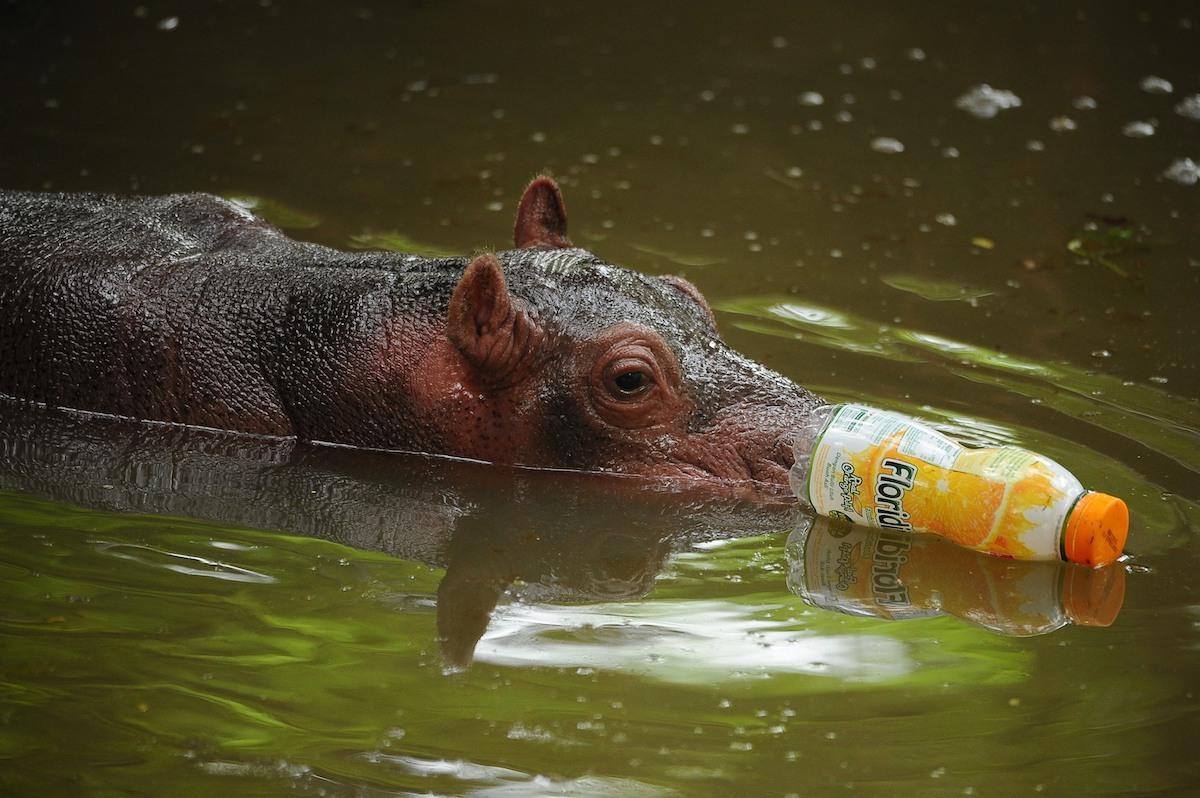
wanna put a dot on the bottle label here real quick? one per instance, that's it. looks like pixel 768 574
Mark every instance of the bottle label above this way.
pixel 886 470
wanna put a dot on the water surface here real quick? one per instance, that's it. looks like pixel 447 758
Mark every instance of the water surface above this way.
pixel 193 612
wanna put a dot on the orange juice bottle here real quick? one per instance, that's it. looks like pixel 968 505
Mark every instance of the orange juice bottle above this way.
pixel 886 470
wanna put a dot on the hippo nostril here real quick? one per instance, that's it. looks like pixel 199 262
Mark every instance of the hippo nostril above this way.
pixel 782 454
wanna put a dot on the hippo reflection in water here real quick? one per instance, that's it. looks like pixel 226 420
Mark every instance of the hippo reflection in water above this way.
pixel 556 535
pixel 188 309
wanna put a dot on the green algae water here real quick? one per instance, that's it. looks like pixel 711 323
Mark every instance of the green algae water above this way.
pixel 192 613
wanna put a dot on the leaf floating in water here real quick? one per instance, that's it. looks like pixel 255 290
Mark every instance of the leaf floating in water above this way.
pixel 275 212
pixel 678 258
pixel 1105 240
pixel 395 241
pixel 934 290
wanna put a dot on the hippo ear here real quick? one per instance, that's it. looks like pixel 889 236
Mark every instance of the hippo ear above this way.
pixel 486 324
pixel 688 289
pixel 541 217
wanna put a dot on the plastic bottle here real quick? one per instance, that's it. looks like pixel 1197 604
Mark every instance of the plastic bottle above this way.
pixel 886 470
pixel 892 575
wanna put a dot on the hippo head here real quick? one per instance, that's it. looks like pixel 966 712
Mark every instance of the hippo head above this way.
pixel 565 361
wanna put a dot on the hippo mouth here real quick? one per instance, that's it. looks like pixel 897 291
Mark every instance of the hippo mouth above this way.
pixel 769 471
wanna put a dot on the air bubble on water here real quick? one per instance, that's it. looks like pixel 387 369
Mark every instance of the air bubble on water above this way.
pixel 794 171
pixel 849 99
pixel 750 235
pixel 724 703
pixel 168 23
pixel 886 145
pixel 984 102
pixel 1063 124
pixel 1159 379
pixel 831 735
pixel 947 219
pixel 843 117
pixel 811 98
pixel 495 206
pixel 845 69
pixel 868 63
pixel 835 253
pixel 708 95
pixel 740 128
pixel 1183 171
pixel 815 124
pixel 950 152
pixel 1138 130
pixel 778 42
pixel 51 103
pixel 1035 145
pixel 1189 107
pixel 895 95
pixel 1156 85
pixel 1084 103
pixel 915 54
pixel 937 773
pixel 537 137
pixel 656 140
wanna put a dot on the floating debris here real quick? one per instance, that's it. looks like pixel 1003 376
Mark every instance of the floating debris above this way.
pixel 273 211
pixel 887 145
pixel 1183 171
pixel 1108 240
pixel 984 102
pixel 983 243
pixel 934 290
pixel 1189 107
pixel 1063 124
pixel 1156 85
pixel 1138 130
pixel 395 241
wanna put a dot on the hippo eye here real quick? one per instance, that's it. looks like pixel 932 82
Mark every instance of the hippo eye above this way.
pixel 628 378
pixel 632 382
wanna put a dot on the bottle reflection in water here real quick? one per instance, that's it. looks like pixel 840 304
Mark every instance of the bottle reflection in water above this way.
pixel 895 575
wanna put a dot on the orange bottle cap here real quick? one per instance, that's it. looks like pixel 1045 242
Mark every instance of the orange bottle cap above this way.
pixel 1096 530
pixel 1093 596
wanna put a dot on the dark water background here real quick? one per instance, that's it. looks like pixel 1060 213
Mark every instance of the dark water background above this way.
pixel 189 614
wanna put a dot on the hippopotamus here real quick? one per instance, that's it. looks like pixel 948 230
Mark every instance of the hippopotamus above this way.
pixel 188 309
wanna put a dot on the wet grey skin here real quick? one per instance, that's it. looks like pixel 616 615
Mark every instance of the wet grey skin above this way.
pixel 188 309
